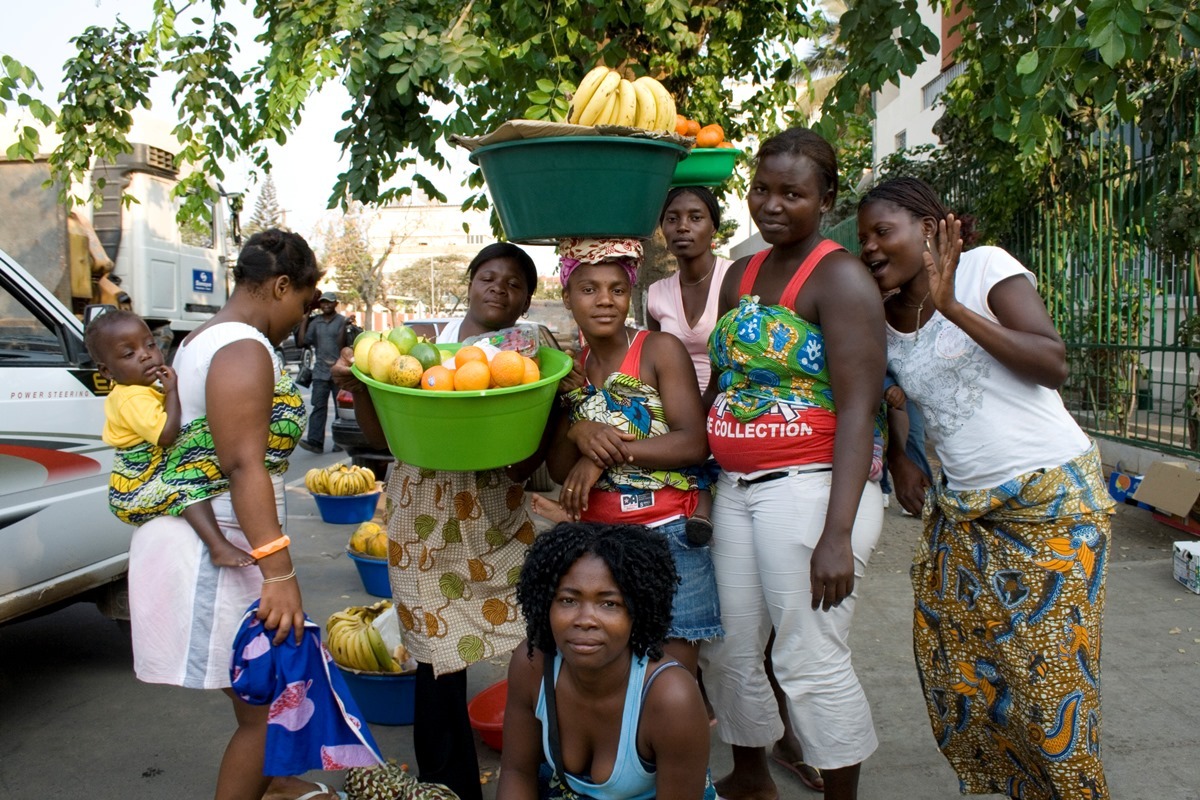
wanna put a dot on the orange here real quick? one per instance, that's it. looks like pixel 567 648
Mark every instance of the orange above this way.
pixel 693 127
pixel 468 354
pixel 710 136
pixel 532 373
pixel 726 144
pixel 438 378
pixel 472 375
pixel 681 124
pixel 507 368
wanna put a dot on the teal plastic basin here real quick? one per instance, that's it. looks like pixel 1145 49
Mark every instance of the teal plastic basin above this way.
pixel 591 186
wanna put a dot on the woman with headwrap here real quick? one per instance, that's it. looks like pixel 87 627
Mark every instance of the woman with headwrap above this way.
pixel 631 446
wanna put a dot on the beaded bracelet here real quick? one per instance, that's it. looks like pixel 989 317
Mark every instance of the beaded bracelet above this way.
pixel 270 547
pixel 281 578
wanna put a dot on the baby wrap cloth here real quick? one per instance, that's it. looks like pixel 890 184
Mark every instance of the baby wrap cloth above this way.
pixel 314 722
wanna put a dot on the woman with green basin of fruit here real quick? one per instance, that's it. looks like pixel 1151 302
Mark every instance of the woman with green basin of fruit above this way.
pixel 457 540
pixel 631 447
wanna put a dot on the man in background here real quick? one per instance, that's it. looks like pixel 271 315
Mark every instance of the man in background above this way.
pixel 325 333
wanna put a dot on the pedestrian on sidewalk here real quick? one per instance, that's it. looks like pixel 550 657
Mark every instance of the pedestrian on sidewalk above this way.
pixel 798 355
pixel 325 333
pixel 1009 582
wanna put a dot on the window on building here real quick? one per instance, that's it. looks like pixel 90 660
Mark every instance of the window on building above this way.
pixel 902 140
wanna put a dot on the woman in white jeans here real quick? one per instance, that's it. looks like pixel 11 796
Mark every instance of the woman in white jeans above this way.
pixel 796 517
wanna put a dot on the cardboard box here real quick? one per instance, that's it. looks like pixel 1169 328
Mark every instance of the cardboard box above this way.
pixel 1122 485
pixel 1187 564
pixel 1171 487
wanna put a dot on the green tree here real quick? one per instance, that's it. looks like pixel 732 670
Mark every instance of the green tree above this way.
pixel 1038 75
pixel 344 246
pixel 440 282
pixel 416 73
pixel 267 213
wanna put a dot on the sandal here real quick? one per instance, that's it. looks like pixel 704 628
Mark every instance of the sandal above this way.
pixel 321 789
pixel 808 774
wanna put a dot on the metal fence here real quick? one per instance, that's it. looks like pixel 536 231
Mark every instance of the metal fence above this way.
pixel 1127 308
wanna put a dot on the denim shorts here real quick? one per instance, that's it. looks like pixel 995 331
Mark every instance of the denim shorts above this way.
pixel 695 611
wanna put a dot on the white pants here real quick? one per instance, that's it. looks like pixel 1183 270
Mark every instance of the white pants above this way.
pixel 762 546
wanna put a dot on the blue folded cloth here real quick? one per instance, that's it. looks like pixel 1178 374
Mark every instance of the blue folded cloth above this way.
pixel 313 722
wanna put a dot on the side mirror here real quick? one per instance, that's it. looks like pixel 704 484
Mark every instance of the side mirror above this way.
pixel 93 310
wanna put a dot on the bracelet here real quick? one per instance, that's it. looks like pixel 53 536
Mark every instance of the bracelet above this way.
pixel 270 547
pixel 281 578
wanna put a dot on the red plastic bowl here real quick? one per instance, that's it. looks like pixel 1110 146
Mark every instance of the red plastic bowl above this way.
pixel 486 711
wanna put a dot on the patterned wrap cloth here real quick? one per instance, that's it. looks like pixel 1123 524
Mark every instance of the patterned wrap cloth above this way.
pixel 149 481
pixel 631 406
pixel 771 359
pixel 575 251
pixel 1009 588
pixel 456 543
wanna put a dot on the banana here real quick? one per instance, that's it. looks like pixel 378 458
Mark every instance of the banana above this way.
pixel 587 87
pixel 379 650
pixel 602 99
pixel 370 475
pixel 364 655
pixel 647 108
pixel 626 111
pixel 610 109
pixel 664 104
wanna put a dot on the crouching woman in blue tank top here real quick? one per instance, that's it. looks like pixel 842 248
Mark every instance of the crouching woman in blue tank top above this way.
pixel 594 709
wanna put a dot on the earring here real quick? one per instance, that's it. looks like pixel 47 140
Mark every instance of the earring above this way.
pixel 927 247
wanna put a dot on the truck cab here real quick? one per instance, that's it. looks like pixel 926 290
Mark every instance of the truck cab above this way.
pixel 58 541
pixel 174 276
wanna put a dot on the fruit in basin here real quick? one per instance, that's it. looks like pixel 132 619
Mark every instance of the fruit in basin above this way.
pixel 403 337
pixel 380 358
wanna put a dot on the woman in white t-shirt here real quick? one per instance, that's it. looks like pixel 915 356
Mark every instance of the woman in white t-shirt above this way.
pixel 1009 582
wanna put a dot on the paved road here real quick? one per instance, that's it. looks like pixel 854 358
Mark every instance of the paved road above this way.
pixel 75 723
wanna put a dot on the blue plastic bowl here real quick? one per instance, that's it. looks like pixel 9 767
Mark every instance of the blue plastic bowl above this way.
pixel 374 574
pixel 347 509
pixel 385 699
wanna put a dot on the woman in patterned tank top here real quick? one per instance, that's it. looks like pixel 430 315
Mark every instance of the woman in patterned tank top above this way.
pixel 800 353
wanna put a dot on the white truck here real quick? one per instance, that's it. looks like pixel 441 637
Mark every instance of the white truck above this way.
pixel 58 540
pixel 173 277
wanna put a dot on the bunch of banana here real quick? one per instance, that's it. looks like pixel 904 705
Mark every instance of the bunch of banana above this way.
pixel 340 480
pixel 355 643
pixel 605 98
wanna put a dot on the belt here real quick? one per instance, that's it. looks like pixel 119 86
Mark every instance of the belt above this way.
pixel 783 473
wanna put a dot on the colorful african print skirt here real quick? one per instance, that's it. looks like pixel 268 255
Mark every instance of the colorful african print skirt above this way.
pixel 456 544
pixel 1009 590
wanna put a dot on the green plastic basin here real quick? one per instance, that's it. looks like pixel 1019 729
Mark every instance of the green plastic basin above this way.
pixel 705 166
pixel 592 186
pixel 468 431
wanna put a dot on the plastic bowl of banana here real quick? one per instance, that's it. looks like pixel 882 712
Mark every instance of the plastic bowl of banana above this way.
pixel 591 186
pixel 347 509
pixel 344 495
pixel 384 698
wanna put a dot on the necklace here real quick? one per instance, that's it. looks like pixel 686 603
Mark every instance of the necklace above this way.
pixel 702 279
pixel 919 307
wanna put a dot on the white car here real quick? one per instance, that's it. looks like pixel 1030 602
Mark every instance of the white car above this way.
pixel 58 541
